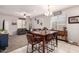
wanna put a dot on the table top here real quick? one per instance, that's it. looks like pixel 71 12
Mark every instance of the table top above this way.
pixel 44 32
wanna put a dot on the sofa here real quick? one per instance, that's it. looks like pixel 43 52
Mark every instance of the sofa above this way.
pixel 21 31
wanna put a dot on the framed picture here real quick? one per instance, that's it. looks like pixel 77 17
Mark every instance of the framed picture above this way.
pixel 14 23
pixel 73 19
pixel 37 21
pixel 41 23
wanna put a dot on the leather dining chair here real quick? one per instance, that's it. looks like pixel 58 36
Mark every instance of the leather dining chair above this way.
pixel 50 43
pixel 34 41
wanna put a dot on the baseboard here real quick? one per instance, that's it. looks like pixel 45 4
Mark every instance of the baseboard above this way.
pixel 63 40
pixel 73 43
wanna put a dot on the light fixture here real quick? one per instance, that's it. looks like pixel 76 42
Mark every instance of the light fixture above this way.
pixel 48 13
pixel 24 15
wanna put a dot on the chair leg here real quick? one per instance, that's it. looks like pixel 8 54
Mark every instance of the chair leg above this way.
pixel 39 47
pixel 47 48
pixel 53 41
pixel 32 47
pixel 52 47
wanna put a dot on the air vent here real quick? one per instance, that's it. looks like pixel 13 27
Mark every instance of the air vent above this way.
pixel 57 13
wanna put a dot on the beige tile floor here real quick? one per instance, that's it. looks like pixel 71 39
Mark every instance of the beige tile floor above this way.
pixel 15 42
pixel 18 44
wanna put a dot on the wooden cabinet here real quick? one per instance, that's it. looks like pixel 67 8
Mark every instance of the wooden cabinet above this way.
pixel 62 35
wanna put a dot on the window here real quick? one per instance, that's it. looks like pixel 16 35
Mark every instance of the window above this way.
pixel 58 22
pixel 21 23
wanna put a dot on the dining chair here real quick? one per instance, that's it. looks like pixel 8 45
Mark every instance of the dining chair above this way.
pixel 50 43
pixel 39 41
pixel 34 40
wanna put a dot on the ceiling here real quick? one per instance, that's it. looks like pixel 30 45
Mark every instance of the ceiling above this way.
pixel 30 10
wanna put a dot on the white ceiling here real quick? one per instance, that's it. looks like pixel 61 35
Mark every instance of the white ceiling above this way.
pixel 30 10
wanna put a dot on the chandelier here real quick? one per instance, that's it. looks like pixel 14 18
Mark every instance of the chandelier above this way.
pixel 49 12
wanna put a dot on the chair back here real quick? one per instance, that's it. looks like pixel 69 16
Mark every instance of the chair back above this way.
pixel 37 38
pixel 33 38
pixel 29 37
pixel 49 37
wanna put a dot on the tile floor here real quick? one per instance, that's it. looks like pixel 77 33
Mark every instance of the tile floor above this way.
pixel 15 42
pixel 63 47
pixel 18 44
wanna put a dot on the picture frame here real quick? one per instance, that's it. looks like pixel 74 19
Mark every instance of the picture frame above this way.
pixel 14 23
pixel 73 20
pixel 37 21
pixel 41 23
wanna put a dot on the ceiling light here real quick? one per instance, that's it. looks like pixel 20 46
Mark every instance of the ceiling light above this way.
pixel 49 12
pixel 24 15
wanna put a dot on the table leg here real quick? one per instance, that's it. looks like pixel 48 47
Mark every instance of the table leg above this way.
pixel 44 45
pixel 56 41
pixel 32 47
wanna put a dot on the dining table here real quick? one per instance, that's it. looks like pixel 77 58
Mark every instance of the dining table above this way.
pixel 43 34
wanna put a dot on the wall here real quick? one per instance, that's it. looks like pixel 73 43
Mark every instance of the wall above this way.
pixel 11 29
pixel 73 29
pixel 44 19
pixel 56 22
pixel 28 22
pixel 1 21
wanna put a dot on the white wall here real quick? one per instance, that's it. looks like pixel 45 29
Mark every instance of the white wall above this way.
pixel 1 21
pixel 28 22
pixel 49 20
pixel 11 29
pixel 44 19
pixel 73 29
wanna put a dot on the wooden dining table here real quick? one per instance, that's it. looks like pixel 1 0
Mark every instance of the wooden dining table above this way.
pixel 43 34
